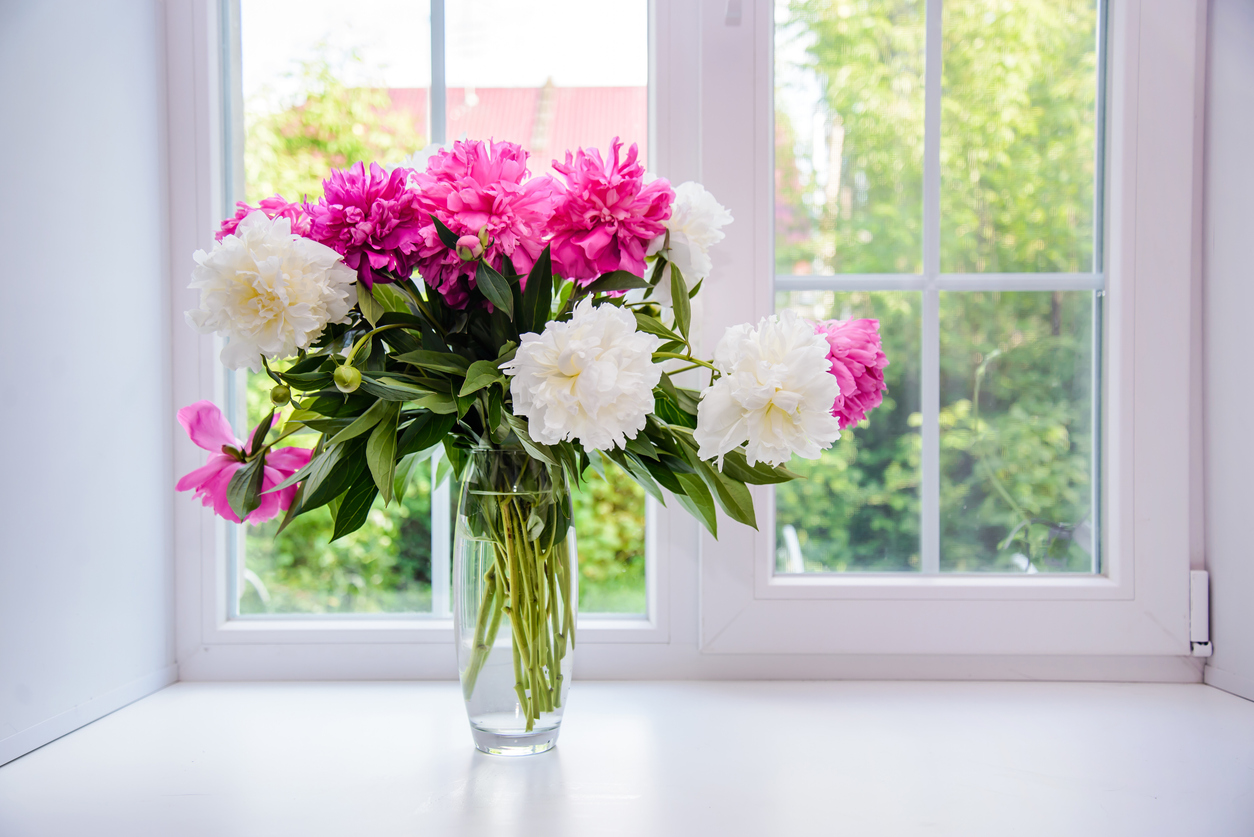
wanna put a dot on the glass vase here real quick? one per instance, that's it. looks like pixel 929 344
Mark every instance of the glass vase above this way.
pixel 515 591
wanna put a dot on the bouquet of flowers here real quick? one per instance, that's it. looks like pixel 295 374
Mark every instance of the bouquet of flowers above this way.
pixel 527 327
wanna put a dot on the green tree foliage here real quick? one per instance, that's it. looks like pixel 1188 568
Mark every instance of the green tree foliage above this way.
pixel 1017 173
pixel 609 526
pixel 289 151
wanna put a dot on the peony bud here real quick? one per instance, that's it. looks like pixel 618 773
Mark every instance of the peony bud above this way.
pixel 469 247
pixel 483 235
pixel 280 395
pixel 347 378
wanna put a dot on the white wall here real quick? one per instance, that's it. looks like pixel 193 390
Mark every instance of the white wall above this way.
pixel 85 427
pixel 1229 344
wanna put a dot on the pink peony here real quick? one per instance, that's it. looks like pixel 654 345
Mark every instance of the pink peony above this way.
pixel 373 220
pixel 606 215
pixel 274 207
pixel 480 187
pixel 858 363
pixel 206 426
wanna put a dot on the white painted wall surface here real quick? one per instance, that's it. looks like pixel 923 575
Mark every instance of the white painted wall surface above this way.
pixel 85 427
pixel 1229 344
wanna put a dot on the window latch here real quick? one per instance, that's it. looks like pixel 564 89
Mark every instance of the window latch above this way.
pixel 1199 613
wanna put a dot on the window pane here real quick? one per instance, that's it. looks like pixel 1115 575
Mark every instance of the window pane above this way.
pixel 858 508
pixel 1016 432
pixel 1018 135
pixel 609 526
pixel 319 82
pixel 550 99
pixel 848 136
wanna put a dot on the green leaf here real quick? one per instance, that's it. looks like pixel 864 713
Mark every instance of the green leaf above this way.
pixel 696 288
pixel 446 235
pixel 564 294
pixel 306 381
pixel 437 402
pixel 292 511
pixel 333 471
pixel 537 295
pixel 381 452
pixel 687 400
pixel 370 308
pixel 482 373
pixel 243 492
pixel 260 432
pixel 638 473
pixel 733 498
pixel 391 299
pixel 666 410
pixel 618 280
pixel 665 476
pixel 668 388
pixel 642 446
pixel 652 325
pixel 594 459
pixel 698 501
pixel 736 466
pixel 364 422
pixel 436 361
pixel 495 287
pixel 390 388
pixel 680 302
pixel 354 506
pixel 423 432
pixel 542 452
pixel 400 481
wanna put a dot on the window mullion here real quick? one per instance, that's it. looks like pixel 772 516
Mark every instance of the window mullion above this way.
pixel 929 491
pixel 438 98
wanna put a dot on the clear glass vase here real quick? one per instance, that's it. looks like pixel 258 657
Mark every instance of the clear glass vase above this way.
pixel 514 600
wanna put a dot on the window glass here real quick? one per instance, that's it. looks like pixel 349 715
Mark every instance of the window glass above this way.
pixel 1016 431
pixel 1009 444
pixel 1017 136
pixel 325 85
pixel 848 136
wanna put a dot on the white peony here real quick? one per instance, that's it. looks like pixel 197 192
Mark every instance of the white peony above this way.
pixel 775 394
pixel 269 291
pixel 590 379
pixel 695 226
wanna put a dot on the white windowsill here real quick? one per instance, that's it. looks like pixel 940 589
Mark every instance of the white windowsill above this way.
pixel 767 758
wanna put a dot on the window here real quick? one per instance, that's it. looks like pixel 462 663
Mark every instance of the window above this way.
pixel 953 201
pixel 322 85
pixel 1070 305
pixel 873 196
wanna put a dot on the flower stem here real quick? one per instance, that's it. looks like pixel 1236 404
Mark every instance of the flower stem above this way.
pixel 688 358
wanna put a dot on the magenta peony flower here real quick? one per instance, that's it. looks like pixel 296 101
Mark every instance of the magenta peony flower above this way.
pixel 606 215
pixel 480 188
pixel 275 207
pixel 373 220
pixel 206 426
pixel 858 363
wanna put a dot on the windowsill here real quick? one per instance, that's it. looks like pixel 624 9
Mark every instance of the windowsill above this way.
pixel 653 758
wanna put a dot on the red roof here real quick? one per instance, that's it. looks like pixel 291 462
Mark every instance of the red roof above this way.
pixel 547 121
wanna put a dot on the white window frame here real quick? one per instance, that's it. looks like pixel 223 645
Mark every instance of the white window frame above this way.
pixel 715 607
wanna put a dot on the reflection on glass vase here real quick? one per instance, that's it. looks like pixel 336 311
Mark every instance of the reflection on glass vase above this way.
pixel 514 600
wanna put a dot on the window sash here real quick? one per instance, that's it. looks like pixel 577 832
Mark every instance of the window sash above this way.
pixel 932 281
pixel 1139 606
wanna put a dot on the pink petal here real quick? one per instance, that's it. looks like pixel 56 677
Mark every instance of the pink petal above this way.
pixel 206 426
